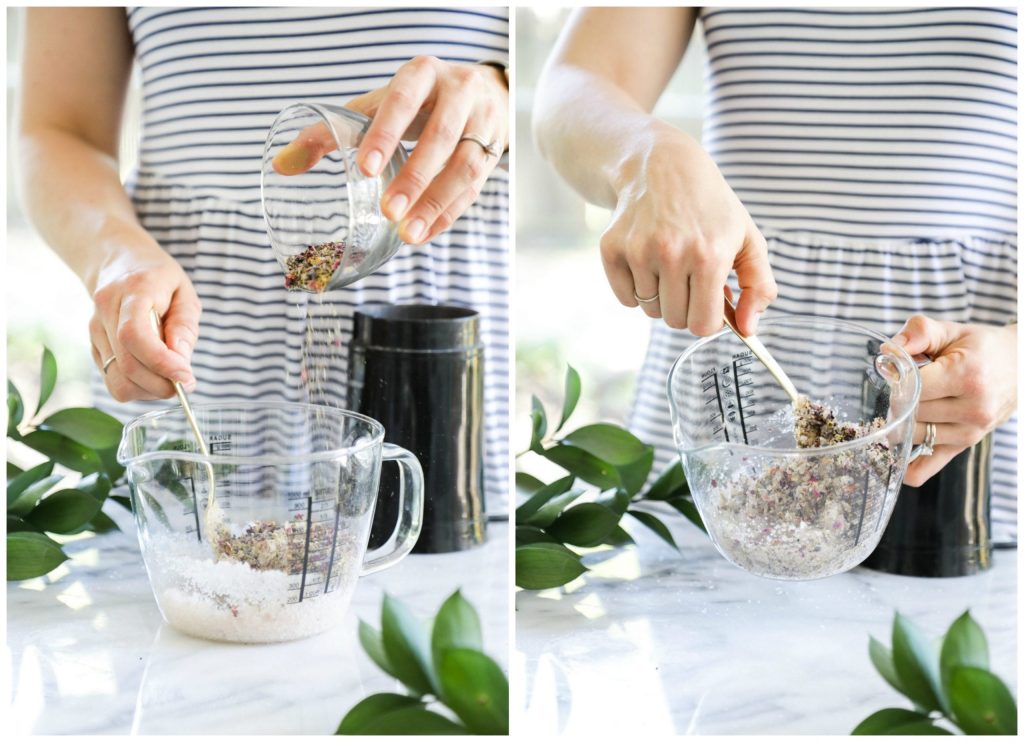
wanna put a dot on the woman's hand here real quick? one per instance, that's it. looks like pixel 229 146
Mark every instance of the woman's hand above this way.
pixel 677 232
pixel 970 389
pixel 435 103
pixel 129 284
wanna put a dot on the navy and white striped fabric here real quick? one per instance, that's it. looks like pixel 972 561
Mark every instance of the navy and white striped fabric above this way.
pixel 213 80
pixel 876 150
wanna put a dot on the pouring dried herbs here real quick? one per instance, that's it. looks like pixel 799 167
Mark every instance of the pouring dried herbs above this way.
pixel 313 268
pixel 808 516
pixel 268 545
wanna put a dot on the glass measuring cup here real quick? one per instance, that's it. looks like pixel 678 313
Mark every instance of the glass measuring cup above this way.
pixel 770 507
pixel 297 485
pixel 332 201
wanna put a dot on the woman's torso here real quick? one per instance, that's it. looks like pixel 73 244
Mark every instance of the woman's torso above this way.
pixel 876 151
pixel 212 82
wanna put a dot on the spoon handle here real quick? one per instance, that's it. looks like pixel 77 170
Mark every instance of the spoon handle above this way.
pixel 154 318
pixel 761 352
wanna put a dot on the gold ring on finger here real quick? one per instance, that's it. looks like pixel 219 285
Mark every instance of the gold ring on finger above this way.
pixel 645 301
pixel 106 364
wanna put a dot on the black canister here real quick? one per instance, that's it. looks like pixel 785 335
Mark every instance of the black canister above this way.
pixel 418 369
pixel 943 527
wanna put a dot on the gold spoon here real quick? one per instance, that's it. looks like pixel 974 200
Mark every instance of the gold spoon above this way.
pixel 214 515
pixel 758 349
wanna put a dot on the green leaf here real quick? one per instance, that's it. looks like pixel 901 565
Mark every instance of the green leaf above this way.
pixel 670 483
pixel 539 419
pixel 685 506
pixel 96 484
pixel 540 566
pixel 15 410
pixel 108 456
pixel 15 524
pixel 981 703
pixel 655 525
pixel 635 474
pixel 64 451
pixel 13 471
pixel 917 664
pixel 64 511
pixel 123 501
pixel 881 658
pixel 587 524
pixel 367 711
pixel 541 496
pixel 456 625
pixel 918 728
pixel 371 642
pixel 615 500
pixel 572 395
pixel 32 555
pixel 20 483
pixel 532 535
pixel 552 509
pixel 32 494
pixel 412 720
pixel 407 646
pixel 101 523
pixel 47 378
pixel 619 537
pixel 584 465
pixel 527 484
pixel 963 645
pixel 475 688
pixel 884 721
pixel 91 428
pixel 607 442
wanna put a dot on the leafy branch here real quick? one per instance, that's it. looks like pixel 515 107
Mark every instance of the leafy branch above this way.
pixel 949 682
pixel 440 662
pixel 79 439
pixel 604 456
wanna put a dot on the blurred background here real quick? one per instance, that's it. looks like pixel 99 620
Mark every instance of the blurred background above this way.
pixel 46 303
pixel 565 312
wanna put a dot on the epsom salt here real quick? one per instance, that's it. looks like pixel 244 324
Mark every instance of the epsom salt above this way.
pixel 806 516
pixel 231 601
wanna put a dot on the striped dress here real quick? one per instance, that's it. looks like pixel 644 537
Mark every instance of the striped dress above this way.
pixel 876 151
pixel 213 80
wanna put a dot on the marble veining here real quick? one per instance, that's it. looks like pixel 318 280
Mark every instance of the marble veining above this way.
pixel 651 641
pixel 90 653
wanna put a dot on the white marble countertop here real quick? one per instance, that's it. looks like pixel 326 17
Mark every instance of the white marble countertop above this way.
pixel 89 653
pixel 653 642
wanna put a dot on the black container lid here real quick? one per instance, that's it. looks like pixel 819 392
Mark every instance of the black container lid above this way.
pixel 416 327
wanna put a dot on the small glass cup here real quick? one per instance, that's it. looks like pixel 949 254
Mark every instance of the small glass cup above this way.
pixel 330 203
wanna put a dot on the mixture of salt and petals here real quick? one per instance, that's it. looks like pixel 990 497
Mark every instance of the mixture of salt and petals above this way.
pixel 803 516
pixel 313 268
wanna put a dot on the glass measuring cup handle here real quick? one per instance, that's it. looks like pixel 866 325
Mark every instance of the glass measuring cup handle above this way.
pixel 887 364
pixel 410 508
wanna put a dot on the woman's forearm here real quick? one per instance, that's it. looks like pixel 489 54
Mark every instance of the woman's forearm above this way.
pixel 592 109
pixel 590 130
pixel 75 67
pixel 73 195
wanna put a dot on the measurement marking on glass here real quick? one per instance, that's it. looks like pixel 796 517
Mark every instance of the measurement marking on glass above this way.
pixel 881 510
pixel 305 554
pixel 334 543
pixel 721 410
pixel 739 397
pixel 863 499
